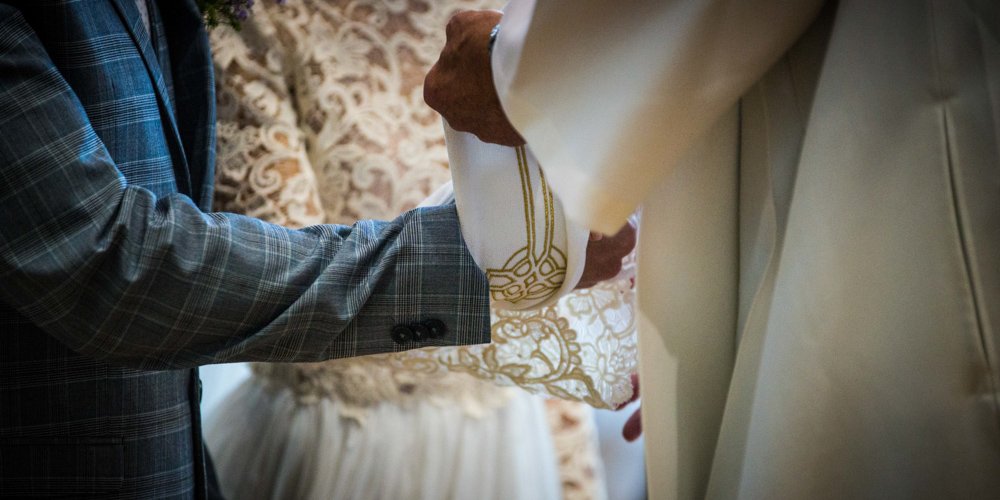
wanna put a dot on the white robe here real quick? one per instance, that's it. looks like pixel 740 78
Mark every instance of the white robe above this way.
pixel 820 250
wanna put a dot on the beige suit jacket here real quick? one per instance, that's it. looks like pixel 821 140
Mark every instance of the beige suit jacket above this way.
pixel 820 250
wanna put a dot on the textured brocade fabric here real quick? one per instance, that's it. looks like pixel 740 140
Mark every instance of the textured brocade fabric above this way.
pixel 321 119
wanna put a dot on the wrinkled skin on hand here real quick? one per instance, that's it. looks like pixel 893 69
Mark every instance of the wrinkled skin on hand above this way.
pixel 460 84
pixel 460 87
pixel 605 254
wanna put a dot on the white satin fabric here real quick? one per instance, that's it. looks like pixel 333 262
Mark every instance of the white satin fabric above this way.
pixel 820 257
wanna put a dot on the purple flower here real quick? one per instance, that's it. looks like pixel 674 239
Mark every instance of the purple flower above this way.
pixel 231 12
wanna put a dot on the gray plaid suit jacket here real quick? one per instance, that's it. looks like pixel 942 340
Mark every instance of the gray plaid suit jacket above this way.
pixel 115 280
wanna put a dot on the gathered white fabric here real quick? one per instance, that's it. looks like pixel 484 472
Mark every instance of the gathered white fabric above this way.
pixel 513 225
pixel 423 451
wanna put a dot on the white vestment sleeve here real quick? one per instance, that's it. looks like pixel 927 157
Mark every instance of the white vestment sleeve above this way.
pixel 610 95
pixel 512 224
pixel 614 97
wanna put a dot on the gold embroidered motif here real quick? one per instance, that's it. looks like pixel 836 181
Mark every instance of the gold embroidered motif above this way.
pixel 531 273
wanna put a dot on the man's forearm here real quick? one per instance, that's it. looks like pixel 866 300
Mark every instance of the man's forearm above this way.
pixel 118 273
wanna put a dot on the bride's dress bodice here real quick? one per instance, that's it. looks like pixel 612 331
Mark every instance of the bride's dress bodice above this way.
pixel 358 385
pixel 321 119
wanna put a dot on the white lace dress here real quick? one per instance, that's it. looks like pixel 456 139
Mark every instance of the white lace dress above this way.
pixel 321 119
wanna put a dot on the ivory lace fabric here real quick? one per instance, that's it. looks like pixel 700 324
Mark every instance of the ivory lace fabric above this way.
pixel 321 119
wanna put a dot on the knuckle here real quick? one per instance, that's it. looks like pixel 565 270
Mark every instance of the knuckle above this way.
pixel 430 94
pixel 455 22
pixel 459 124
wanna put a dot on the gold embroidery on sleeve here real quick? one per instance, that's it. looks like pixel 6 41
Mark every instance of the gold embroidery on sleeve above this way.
pixel 531 273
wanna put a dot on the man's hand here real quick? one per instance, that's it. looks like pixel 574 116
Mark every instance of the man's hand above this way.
pixel 460 84
pixel 605 254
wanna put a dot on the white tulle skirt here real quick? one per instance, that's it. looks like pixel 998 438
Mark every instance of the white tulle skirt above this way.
pixel 266 444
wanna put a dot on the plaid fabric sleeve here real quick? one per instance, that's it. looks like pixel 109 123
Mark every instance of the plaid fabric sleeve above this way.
pixel 116 273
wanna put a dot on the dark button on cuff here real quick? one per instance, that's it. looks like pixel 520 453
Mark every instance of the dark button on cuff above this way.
pixel 401 334
pixel 437 328
pixel 420 331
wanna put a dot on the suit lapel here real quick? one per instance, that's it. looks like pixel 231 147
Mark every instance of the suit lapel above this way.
pixel 132 20
pixel 194 90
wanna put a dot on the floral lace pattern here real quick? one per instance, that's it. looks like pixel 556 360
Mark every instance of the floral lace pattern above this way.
pixel 347 76
pixel 359 385
pixel 583 348
pixel 321 119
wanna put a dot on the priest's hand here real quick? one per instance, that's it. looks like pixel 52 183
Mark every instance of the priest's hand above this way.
pixel 460 84
pixel 605 254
